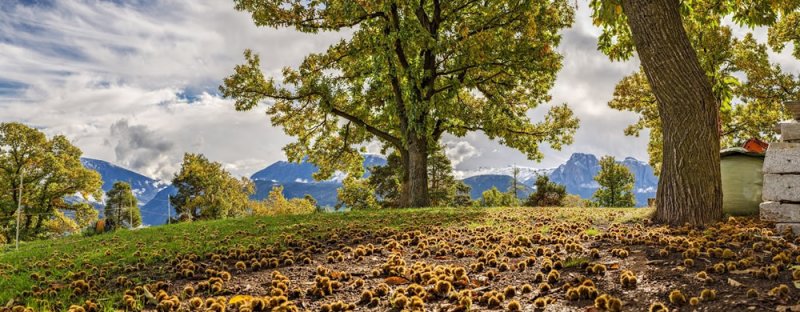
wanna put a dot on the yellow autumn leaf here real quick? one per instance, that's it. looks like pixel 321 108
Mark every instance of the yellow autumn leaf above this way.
pixel 240 299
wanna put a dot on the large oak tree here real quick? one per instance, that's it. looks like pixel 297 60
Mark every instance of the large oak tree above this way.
pixel 688 100
pixel 410 73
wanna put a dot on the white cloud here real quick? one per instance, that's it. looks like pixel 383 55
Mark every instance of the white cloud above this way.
pixel 458 151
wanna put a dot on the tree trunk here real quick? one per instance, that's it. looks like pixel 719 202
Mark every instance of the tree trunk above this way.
pixel 689 190
pixel 417 168
pixel 405 192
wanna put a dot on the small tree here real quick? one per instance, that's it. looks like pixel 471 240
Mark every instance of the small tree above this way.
pixel 462 198
pixel 548 194
pixel 122 208
pixel 277 204
pixel 616 184
pixel 515 186
pixel 356 194
pixel 206 191
pixel 385 180
pixel 441 183
pixel 495 198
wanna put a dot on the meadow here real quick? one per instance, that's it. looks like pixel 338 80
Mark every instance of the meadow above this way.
pixel 434 259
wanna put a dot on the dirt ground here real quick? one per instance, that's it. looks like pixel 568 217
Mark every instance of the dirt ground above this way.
pixel 733 262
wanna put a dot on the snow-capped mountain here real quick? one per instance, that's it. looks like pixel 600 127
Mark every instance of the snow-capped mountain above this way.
pixel 143 187
pixel 526 175
pixel 289 172
pixel 577 174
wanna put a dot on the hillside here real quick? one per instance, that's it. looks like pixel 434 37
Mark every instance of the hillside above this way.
pixel 319 261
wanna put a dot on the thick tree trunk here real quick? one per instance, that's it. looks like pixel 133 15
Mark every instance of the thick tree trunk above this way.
pixel 417 168
pixel 689 190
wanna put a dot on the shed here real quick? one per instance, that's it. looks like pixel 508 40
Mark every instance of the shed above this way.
pixel 742 180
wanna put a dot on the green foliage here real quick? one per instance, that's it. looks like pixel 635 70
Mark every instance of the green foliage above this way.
pixel 462 197
pixel 548 194
pixel 495 198
pixel 616 184
pixel 122 208
pixel 410 72
pixel 441 183
pixel 749 107
pixel 445 190
pixel 51 171
pixel 206 191
pixel 575 201
pixel 386 181
pixel 277 204
pixel 356 194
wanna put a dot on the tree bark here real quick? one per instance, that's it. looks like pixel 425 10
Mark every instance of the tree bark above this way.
pixel 417 184
pixel 689 189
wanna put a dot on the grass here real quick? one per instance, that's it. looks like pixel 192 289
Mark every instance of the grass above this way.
pixel 159 244
pixel 592 231
pixel 152 249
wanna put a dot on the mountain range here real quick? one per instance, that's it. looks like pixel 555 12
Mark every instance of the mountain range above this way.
pixel 577 174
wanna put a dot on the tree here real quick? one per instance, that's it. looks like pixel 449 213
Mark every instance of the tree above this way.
pixel 689 189
pixel 547 194
pixel 616 184
pixel 207 191
pixel 760 96
pixel 50 175
pixel 410 73
pixel 495 198
pixel 515 187
pixel 442 185
pixel 462 197
pixel 277 204
pixel 385 180
pixel 122 207
pixel 356 194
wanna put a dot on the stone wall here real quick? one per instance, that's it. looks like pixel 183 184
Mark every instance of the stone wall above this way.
pixel 781 191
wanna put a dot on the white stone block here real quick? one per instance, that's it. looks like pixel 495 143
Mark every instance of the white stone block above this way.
pixel 790 131
pixel 782 157
pixel 781 187
pixel 779 212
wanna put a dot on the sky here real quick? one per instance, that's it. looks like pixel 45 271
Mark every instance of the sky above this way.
pixel 135 83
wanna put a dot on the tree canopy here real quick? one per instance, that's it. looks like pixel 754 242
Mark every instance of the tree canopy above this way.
pixel 749 90
pixel 51 172
pixel 410 73
pixel 207 191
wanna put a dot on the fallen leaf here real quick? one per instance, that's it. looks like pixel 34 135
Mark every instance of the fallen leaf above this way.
pixel 796 284
pixel 240 299
pixel 395 280
pixel 734 283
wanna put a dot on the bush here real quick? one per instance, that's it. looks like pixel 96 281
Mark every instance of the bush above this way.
pixel 548 194
pixel 495 198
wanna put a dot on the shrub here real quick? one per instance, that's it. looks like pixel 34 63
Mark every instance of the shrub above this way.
pixel 548 194
pixel 494 198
